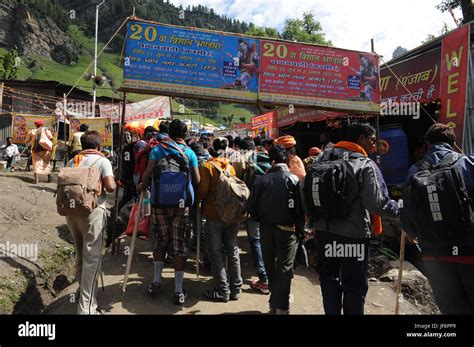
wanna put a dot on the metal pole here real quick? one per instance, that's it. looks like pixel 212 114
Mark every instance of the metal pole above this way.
pixel 95 55
pixel 134 239
pixel 115 243
pixel 400 271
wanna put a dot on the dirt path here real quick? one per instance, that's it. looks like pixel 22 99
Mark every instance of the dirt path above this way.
pixel 28 216
pixel 306 294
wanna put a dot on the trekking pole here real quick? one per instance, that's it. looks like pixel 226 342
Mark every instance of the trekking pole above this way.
pixel 198 245
pixel 134 238
pixel 400 270
pixel 102 280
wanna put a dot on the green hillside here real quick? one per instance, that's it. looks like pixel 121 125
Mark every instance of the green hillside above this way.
pixel 80 31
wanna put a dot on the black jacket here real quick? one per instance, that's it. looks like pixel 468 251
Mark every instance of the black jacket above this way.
pixel 275 199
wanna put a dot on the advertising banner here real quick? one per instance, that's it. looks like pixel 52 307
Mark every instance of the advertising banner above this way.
pixel 301 74
pixel 22 124
pixel 419 76
pixel 191 62
pixel 158 107
pixel 454 69
pixel 206 64
pixel 266 123
pixel 102 125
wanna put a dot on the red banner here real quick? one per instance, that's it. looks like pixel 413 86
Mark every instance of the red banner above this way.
pixel 454 68
pixel 267 123
pixel 419 76
pixel 300 74
pixel 287 116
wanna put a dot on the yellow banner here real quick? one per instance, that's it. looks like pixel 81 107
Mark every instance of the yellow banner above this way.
pixel 23 124
pixel 101 125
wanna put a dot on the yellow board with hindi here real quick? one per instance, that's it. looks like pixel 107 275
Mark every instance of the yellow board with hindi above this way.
pixel 22 124
pixel 99 124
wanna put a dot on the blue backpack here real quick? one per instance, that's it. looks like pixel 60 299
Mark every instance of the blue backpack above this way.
pixel 171 185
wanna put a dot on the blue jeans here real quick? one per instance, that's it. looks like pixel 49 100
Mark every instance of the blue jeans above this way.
pixel 218 234
pixel 253 233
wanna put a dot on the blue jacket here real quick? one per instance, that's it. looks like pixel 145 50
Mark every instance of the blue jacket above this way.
pixel 435 154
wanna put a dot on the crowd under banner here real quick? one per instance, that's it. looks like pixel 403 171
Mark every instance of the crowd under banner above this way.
pixel 178 61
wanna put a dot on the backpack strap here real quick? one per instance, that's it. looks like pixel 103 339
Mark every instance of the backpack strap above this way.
pixel 169 143
pixel 449 159
pixel 217 166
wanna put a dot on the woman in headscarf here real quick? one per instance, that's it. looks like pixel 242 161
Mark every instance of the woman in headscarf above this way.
pixel 41 156
pixel 295 164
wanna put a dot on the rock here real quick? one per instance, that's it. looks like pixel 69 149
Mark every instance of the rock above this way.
pixel 376 304
pixel 33 64
pixel 33 36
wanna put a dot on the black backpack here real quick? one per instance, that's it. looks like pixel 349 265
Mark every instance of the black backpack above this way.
pixel 171 183
pixel 330 187
pixel 440 206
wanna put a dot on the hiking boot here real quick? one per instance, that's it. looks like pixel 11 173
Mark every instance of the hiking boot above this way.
pixel 216 295
pixel 180 298
pixel 235 295
pixel 260 286
pixel 154 288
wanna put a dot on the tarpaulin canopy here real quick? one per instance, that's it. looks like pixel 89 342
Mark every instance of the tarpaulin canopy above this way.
pixel 138 126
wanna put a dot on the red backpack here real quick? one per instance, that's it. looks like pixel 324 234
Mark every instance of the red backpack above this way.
pixel 141 158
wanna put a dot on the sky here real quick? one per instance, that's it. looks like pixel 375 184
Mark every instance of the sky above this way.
pixel 348 24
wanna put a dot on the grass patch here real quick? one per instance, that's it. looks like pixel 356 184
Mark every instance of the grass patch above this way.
pixel 11 291
pixel 55 262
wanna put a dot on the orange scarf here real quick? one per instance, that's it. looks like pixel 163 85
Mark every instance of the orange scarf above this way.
pixel 78 158
pixel 354 147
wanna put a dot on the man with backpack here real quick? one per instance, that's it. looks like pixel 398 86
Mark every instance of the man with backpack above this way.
pixel 247 169
pixel 275 202
pixel 438 210
pixel 172 170
pixel 224 211
pixel 345 195
pixel 85 212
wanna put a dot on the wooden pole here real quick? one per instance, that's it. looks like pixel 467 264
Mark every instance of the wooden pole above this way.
pixel 400 270
pixel 115 243
pixel 198 235
pixel 134 239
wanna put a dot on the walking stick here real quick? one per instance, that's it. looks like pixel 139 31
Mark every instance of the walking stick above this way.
pixel 134 238
pixel 198 231
pixel 400 270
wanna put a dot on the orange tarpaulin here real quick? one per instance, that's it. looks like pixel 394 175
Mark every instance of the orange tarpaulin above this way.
pixel 138 126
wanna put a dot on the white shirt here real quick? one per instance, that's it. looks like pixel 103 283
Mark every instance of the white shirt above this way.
pixel 11 151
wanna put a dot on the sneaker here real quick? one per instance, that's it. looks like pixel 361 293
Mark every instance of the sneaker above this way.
pixel 260 286
pixel 216 295
pixel 180 298
pixel 234 296
pixel 154 288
